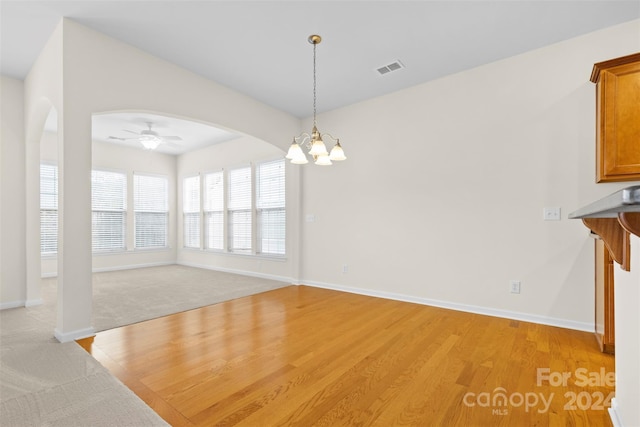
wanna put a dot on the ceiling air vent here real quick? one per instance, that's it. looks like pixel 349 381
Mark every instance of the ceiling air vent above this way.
pixel 390 67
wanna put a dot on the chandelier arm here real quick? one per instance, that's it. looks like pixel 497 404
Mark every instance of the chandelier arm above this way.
pixel 303 139
pixel 330 136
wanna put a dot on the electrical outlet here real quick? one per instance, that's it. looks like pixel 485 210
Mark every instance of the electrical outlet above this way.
pixel 515 286
pixel 345 268
pixel 551 214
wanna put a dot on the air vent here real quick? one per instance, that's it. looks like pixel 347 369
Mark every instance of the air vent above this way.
pixel 390 67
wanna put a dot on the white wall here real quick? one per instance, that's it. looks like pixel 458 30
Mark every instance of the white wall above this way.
pixel 127 160
pixel 238 152
pixel 12 190
pixel 441 198
pixel 627 301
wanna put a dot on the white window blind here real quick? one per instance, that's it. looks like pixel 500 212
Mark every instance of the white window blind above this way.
pixel 239 209
pixel 109 206
pixel 214 210
pixel 151 211
pixel 48 209
pixel 270 206
pixel 191 211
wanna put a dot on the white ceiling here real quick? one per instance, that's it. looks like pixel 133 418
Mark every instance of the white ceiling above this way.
pixel 260 48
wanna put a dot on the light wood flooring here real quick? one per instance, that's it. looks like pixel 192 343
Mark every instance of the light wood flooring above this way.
pixel 306 356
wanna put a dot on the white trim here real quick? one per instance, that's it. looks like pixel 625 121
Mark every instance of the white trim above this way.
pixel 117 268
pixel 525 317
pixel 613 413
pixel 74 335
pixel 12 304
pixel 132 266
pixel 33 302
pixel 241 272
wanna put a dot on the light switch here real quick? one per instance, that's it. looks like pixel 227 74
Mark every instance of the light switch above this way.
pixel 551 214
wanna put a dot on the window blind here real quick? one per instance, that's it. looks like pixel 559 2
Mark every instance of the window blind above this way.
pixel 48 209
pixel 108 205
pixel 151 211
pixel 239 209
pixel 270 206
pixel 214 210
pixel 191 211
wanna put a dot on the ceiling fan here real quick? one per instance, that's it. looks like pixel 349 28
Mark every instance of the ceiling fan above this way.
pixel 149 138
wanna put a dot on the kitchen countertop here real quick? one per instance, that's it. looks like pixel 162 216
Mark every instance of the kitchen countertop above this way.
pixel 625 200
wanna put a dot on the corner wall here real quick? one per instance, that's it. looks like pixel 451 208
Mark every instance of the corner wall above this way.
pixel 12 190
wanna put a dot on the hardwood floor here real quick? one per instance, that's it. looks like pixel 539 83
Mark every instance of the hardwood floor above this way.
pixel 307 356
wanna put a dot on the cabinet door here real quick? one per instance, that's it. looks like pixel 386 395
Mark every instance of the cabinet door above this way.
pixel 618 133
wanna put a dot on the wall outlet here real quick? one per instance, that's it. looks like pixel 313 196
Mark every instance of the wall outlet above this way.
pixel 514 286
pixel 551 214
pixel 345 268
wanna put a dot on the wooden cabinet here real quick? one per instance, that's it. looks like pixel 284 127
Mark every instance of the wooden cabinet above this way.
pixel 617 118
pixel 605 319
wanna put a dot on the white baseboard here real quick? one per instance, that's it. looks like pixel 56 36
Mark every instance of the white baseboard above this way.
pixel 21 303
pixel 525 317
pixel 131 267
pixel 33 302
pixel 117 268
pixel 12 304
pixel 613 413
pixel 73 335
pixel 241 272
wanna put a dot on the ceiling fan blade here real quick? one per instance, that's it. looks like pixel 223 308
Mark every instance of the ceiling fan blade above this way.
pixel 130 131
pixel 171 138
pixel 121 139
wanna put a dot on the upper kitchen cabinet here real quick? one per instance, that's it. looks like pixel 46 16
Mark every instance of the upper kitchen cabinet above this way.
pixel 617 118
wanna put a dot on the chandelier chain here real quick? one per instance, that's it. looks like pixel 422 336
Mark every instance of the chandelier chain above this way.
pixel 314 84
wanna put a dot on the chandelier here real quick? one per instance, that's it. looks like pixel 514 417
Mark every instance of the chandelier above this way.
pixel 314 143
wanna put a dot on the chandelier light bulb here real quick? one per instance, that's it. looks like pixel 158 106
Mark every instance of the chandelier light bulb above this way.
pixel 337 153
pixel 323 160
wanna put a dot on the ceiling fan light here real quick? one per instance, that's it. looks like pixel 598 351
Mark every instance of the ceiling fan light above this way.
pixel 149 142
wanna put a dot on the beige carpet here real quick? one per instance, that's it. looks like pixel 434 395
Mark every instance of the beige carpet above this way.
pixel 45 383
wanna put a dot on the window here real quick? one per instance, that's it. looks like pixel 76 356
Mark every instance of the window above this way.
pixel 151 211
pixel 243 210
pixel 270 207
pixel 108 205
pixel 191 211
pixel 214 210
pixel 48 209
pixel 239 210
